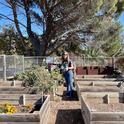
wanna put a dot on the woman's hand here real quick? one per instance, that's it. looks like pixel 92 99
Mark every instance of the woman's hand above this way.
pixel 66 69
pixel 71 68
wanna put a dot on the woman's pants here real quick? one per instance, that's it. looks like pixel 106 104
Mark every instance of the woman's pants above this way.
pixel 69 81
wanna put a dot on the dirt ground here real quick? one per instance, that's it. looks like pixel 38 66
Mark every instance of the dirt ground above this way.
pixel 97 106
pixel 65 110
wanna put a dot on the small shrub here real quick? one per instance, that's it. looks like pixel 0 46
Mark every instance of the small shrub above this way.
pixel 40 77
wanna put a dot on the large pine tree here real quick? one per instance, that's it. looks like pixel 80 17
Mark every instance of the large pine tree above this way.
pixel 63 21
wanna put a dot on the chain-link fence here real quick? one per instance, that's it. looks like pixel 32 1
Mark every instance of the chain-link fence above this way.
pixel 13 64
pixel 34 61
pixel 115 62
pixel 10 65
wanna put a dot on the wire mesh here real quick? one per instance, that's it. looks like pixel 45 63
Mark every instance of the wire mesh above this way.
pixel 13 64
pixel 1 67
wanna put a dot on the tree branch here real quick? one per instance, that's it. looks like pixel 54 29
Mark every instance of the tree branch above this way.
pixel 6 17
pixel 65 36
pixel 13 5
pixel 5 5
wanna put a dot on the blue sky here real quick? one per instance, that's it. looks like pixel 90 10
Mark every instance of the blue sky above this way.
pixel 122 19
pixel 7 11
pixel 37 29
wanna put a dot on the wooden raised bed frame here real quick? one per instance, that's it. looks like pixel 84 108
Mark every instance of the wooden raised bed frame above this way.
pixel 11 83
pixel 17 90
pixel 97 86
pixel 37 117
pixel 98 117
pixel 96 78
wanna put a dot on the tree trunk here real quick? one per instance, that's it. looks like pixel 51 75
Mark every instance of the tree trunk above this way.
pixel 39 47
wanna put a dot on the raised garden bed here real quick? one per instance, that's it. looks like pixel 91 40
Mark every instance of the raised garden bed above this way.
pixel 18 90
pixel 39 113
pixel 10 83
pixel 98 79
pixel 103 108
pixel 99 83
pixel 97 86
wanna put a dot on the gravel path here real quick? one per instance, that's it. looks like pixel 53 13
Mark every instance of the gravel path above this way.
pixel 65 111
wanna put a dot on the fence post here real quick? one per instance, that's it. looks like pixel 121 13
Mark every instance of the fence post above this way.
pixel 23 64
pixel 15 65
pixel 113 62
pixel 4 67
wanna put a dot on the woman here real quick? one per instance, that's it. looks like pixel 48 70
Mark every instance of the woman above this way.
pixel 67 68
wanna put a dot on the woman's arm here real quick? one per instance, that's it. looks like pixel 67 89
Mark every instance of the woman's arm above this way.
pixel 71 67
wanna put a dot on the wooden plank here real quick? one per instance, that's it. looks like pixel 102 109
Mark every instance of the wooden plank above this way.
pixel 93 76
pixel 44 104
pixel 85 118
pixel 46 114
pixel 107 122
pixel 14 102
pixel 19 123
pixel 7 83
pixel 12 98
pixel 107 116
pixel 18 83
pixel 102 94
pixel 32 96
pixel 78 90
pixel 21 117
pixel 98 79
pixel 85 110
pixel 99 83
pixel 44 111
pixel 98 89
pixel 16 90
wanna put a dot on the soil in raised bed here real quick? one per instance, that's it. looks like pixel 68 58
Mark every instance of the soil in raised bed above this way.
pixel 96 106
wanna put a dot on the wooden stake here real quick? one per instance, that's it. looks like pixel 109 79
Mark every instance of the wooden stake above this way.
pixel 92 84
pixel 107 99
pixel 13 83
pixel 24 99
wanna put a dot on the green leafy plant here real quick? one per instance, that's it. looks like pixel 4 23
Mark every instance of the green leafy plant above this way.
pixel 41 78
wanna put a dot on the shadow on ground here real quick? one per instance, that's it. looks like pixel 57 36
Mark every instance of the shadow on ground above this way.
pixel 65 98
pixel 74 98
pixel 69 117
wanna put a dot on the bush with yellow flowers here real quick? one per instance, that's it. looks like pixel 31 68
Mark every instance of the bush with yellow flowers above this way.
pixel 8 108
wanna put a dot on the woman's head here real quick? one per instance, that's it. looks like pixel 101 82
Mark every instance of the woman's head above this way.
pixel 65 56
